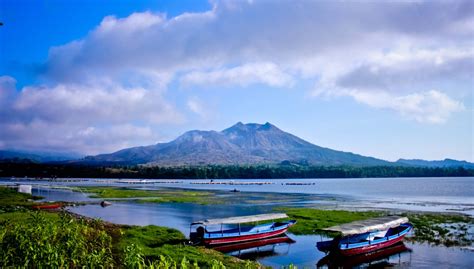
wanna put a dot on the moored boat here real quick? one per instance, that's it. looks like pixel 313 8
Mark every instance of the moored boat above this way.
pixel 223 234
pixel 365 236
pixel 105 203
pixel 47 206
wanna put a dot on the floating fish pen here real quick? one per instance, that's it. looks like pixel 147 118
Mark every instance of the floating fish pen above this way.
pixel 232 183
pixel 298 183
pixel 148 181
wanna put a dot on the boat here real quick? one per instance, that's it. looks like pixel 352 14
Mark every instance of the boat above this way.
pixel 47 206
pixel 105 203
pixel 202 232
pixel 383 258
pixel 367 235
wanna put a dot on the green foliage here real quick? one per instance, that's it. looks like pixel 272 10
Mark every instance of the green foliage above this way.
pixel 133 257
pixel 285 170
pixel 153 196
pixel 41 241
pixel 158 247
pixel 148 238
pixel 310 220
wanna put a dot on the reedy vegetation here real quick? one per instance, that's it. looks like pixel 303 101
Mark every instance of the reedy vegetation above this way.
pixel 62 242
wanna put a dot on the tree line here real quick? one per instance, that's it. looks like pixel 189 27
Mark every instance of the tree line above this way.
pixel 37 170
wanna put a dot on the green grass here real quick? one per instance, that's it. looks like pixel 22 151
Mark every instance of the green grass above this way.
pixel 153 196
pixel 310 220
pixel 24 216
pixel 45 239
pixel 150 237
pixel 12 198
pixel 39 240
pixel 154 242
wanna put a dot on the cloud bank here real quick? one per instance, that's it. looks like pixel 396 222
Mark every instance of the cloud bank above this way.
pixel 414 58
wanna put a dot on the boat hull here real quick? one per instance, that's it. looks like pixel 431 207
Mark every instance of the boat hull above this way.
pixel 372 247
pixel 351 249
pixel 47 206
pixel 243 238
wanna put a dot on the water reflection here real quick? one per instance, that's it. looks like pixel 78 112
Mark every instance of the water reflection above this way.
pixel 258 249
pixel 397 255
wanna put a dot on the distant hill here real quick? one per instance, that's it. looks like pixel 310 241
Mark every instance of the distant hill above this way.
pixel 240 144
pixel 440 163
pixel 39 157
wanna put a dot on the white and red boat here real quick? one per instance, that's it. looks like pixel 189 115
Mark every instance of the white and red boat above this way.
pixel 237 229
pixel 365 236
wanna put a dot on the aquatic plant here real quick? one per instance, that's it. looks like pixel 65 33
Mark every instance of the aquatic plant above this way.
pixel 442 229
pixel 152 196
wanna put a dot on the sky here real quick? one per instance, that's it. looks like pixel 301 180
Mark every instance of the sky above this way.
pixel 388 79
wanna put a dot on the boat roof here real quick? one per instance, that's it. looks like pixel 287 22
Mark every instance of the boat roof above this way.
pixel 370 225
pixel 242 219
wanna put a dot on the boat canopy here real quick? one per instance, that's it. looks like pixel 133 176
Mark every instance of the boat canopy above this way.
pixel 370 225
pixel 242 219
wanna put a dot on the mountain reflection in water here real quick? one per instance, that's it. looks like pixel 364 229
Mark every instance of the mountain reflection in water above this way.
pixel 396 255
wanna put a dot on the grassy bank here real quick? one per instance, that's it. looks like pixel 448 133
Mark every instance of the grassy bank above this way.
pixel 154 243
pixel 152 196
pixel 437 229
pixel 53 239
pixel 11 200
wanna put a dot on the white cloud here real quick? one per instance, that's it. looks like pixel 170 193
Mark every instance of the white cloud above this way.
pixel 39 135
pixel 82 103
pixel 196 106
pixel 426 107
pixel 244 75
pixel 91 117
pixel 401 69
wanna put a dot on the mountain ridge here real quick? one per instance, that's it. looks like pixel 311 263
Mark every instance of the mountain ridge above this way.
pixel 240 144
pixel 436 163
pixel 250 143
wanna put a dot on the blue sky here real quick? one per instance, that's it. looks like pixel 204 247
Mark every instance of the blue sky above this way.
pixel 371 78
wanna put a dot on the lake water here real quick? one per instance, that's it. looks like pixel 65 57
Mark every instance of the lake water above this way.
pixel 432 194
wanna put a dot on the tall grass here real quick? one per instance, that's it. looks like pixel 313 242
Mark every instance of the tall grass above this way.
pixel 44 243
pixel 133 258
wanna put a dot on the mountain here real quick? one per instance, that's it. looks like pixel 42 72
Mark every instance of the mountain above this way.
pixel 440 163
pixel 40 157
pixel 240 144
